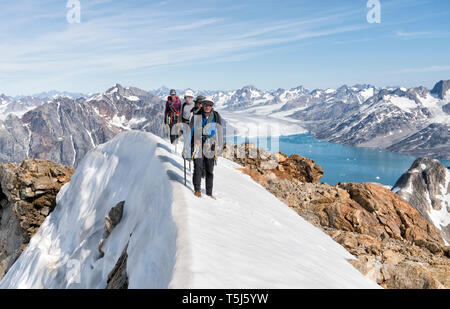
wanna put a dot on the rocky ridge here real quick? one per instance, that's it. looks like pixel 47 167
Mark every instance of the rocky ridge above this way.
pixel 394 245
pixel 426 186
pixel 27 196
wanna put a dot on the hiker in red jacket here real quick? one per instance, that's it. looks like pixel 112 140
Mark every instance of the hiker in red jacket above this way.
pixel 172 113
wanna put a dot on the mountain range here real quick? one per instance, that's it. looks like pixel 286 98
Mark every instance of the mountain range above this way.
pixel 63 126
pixel 413 121
pixel 65 129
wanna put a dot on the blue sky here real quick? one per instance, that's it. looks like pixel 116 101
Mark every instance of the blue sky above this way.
pixel 218 44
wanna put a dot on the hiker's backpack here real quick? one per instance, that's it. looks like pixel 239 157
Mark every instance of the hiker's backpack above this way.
pixel 172 113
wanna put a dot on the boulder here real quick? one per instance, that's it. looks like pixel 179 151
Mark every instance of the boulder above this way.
pixel 118 277
pixel 27 196
pixel 398 218
pixel 294 167
pixel 426 186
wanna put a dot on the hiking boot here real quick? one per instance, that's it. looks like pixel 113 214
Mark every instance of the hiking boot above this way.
pixel 212 196
pixel 198 193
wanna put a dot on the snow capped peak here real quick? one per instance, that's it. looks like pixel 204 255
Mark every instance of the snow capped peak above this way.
pixel 252 91
pixel 114 89
pixel 441 89
pixel 367 93
pixel 117 93
pixel 4 99
pixel 299 88
pixel 51 94
pixel 363 86
pixel 426 186
pixel 17 106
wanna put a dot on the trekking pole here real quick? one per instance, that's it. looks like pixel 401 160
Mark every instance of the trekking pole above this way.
pixel 185 172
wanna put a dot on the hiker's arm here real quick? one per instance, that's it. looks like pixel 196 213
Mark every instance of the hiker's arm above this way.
pixel 182 110
pixel 219 128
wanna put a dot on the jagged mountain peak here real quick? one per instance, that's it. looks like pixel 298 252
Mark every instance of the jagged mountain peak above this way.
pixel 119 93
pixel 115 88
pixel 343 87
pixel 363 86
pixel 441 89
pixel 51 94
pixel 426 186
pixel 299 89
pixel 251 87
pixel 4 98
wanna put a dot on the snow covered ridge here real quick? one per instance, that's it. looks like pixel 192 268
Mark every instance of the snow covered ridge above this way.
pixel 64 252
pixel 247 238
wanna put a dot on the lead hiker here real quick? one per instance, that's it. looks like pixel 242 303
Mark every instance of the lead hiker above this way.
pixel 206 143
pixel 172 113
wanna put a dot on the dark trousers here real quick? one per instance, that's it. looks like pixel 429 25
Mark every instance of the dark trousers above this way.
pixel 208 166
pixel 172 137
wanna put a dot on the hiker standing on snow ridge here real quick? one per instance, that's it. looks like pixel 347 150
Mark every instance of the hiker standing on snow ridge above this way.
pixel 188 107
pixel 206 143
pixel 172 113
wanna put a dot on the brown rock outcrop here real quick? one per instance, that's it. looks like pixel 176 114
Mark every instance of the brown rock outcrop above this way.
pixel 394 245
pixel 426 186
pixel 27 196
pixel 118 277
pixel 294 167
pixel 399 219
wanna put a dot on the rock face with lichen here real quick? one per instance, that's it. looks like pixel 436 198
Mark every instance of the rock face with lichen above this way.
pixel 393 243
pixel 118 277
pixel 294 167
pixel 27 196
pixel 426 186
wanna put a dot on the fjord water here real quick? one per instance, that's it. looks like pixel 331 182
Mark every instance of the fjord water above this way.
pixel 343 163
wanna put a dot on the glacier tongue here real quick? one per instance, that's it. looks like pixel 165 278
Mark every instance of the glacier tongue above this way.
pixel 246 238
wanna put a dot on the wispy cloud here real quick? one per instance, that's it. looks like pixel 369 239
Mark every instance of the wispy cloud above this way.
pixel 412 34
pixel 421 35
pixel 40 50
pixel 195 25
pixel 434 68
pixel 120 41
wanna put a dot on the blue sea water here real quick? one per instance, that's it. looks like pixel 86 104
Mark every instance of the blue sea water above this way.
pixel 343 163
